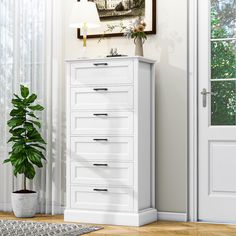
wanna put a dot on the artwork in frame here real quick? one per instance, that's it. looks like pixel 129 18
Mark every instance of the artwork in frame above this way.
pixel 113 12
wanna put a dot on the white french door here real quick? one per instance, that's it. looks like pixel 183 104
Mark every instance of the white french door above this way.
pixel 217 111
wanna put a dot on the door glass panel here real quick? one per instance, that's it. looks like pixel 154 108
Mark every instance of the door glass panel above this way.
pixel 223 62
pixel 223 102
pixel 223 18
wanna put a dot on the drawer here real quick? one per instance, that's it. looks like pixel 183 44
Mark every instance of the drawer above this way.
pixel 91 98
pixel 114 149
pixel 106 199
pixel 102 173
pixel 104 72
pixel 104 123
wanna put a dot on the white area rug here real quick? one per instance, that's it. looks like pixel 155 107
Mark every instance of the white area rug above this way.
pixel 27 228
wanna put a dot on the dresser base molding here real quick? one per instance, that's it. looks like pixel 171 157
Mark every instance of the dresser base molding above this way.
pixel 111 218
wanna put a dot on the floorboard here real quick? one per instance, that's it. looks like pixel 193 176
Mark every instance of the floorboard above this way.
pixel 160 228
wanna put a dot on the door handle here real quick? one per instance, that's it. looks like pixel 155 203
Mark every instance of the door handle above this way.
pixel 204 94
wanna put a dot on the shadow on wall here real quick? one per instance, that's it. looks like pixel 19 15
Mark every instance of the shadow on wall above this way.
pixel 50 182
pixel 171 112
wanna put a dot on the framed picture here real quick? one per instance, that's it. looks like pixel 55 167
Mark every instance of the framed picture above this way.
pixel 113 12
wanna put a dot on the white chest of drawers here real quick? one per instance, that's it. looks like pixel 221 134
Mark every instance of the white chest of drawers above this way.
pixel 111 141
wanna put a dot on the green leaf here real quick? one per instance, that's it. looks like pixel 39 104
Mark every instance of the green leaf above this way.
pixel 18 147
pixel 30 173
pixel 17 96
pixel 6 161
pixel 24 91
pixel 31 98
pixel 17 138
pixel 17 102
pixel 36 152
pixel 20 161
pixel 35 136
pixel 18 112
pixel 13 139
pixel 32 115
pixel 39 146
pixel 34 158
pixel 14 158
pixel 36 108
pixel 19 169
pixel 41 141
pixel 17 131
pixel 15 172
pixel 36 123
pixel 28 126
pixel 16 121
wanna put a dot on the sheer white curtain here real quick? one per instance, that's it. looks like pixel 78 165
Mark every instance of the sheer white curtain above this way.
pixel 31 53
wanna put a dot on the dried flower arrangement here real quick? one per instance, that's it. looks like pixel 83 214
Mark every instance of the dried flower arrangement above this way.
pixel 136 30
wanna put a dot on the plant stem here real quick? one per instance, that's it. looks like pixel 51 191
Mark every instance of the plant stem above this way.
pixel 24 182
pixel 25 146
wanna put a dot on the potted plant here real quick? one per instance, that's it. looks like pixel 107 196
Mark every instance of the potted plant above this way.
pixel 135 30
pixel 27 149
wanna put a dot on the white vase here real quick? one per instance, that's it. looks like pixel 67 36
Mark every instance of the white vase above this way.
pixel 24 204
pixel 138 47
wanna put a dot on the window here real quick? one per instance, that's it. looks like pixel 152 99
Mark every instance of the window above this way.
pixel 223 62
pixel 22 27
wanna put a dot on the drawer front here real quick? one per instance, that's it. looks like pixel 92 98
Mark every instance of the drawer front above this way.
pixel 102 173
pixel 102 98
pixel 91 73
pixel 106 199
pixel 114 149
pixel 104 123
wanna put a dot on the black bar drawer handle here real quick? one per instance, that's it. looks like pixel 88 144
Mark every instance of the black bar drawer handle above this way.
pixel 100 89
pixel 100 114
pixel 100 164
pixel 100 139
pixel 100 64
pixel 100 190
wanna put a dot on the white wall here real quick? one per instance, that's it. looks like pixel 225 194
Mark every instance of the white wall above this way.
pixel 169 48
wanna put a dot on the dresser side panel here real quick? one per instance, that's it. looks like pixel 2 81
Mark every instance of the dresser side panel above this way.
pixel 144 136
pixel 68 134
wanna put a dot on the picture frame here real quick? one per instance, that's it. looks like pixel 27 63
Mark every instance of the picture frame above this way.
pixel 107 16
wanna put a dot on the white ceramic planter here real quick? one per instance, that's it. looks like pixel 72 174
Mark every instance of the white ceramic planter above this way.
pixel 24 204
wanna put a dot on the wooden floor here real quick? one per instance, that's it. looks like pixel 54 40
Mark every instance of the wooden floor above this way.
pixel 160 228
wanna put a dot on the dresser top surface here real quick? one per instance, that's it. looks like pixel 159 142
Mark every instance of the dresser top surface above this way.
pixel 142 59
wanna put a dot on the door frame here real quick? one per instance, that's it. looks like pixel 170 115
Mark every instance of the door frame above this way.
pixel 192 204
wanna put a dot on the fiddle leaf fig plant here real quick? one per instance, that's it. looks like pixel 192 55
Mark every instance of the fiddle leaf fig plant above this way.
pixel 27 143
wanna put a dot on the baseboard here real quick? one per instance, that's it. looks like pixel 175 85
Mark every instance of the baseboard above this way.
pixel 57 209
pixel 111 218
pixel 172 216
pixel 5 207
